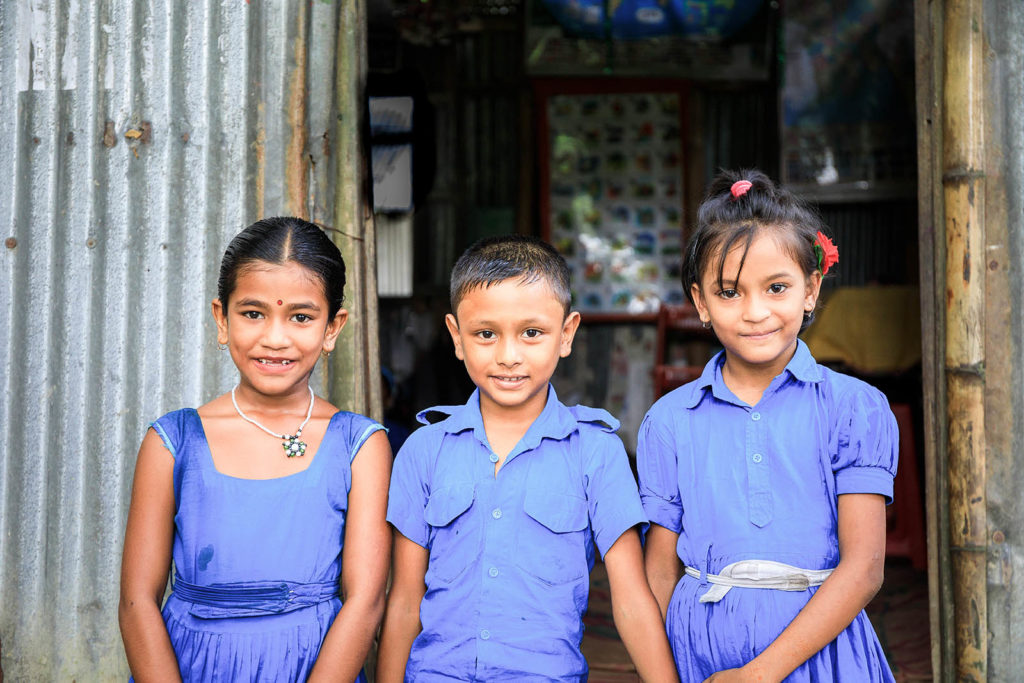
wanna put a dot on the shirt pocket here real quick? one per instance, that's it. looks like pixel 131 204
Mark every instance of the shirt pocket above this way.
pixel 455 533
pixel 551 542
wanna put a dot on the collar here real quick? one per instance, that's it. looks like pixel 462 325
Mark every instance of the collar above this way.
pixel 801 366
pixel 556 421
pixel 454 419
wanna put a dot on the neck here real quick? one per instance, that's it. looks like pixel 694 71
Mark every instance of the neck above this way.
pixel 748 381
pixel 294 401
pixel 509 420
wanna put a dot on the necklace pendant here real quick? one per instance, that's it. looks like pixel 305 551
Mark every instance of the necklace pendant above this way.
pixel 293 447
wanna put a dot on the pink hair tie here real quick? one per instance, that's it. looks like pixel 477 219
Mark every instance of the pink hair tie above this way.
pixel 739 188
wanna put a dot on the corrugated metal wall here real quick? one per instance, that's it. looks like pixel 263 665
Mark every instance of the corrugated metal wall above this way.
pixel 1003 25
pixel 394 255
pixel 140 136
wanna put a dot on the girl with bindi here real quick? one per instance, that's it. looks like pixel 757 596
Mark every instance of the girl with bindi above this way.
pixel 268 500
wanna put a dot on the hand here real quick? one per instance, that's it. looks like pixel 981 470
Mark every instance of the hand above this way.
pixel 744 675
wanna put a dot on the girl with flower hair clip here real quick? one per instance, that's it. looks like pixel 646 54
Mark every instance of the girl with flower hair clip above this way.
pixel 766 479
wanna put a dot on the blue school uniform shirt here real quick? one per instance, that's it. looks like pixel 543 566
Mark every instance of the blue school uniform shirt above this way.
pixel 510 554
pixel 740 482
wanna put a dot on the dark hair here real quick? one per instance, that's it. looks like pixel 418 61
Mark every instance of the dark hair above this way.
pixel 496 259
pixel 725 221
pixel 281 240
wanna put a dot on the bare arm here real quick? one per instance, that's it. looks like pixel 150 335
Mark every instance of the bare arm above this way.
pixel 402 617
pixel 145 564
pixel 662 564
pixel 640 624
pixel 833 607
pixel 364 572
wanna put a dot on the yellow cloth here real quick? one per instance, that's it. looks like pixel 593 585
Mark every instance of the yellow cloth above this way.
pixel 871 329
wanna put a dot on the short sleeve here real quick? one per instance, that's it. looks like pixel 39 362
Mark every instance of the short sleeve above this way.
pixel 174 429
pixel 407 495
pixel 865 443
pixel 656 461
pixel 170 428
pixel 360 430
pixel 612 498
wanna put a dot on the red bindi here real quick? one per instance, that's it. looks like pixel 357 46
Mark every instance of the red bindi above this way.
pixel 279 302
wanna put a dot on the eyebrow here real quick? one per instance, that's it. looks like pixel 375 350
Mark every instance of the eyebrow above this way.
pixel 492 323
pixel 256 303
pixel 774 276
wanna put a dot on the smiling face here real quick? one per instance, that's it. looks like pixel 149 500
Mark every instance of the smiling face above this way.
pixel 510 336
pixel 276 325
pixel 757 314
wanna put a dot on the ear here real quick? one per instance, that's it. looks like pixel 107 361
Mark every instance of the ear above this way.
pixel 698 300
pixel 569 327
pixel 220 317
pixel 813 290
pixel 453 330
pixel 334 329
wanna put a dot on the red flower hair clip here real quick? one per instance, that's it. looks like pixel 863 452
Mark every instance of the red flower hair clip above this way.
pixel 828 253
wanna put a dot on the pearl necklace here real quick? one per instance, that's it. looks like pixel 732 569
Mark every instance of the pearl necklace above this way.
pixel 292 445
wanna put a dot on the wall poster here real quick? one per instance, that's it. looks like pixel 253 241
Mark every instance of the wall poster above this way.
pixel 611 158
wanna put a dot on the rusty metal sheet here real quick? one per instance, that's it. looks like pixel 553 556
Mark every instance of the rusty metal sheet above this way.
pixel 139 138
pixel 1003 26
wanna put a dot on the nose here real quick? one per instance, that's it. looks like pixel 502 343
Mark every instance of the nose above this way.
pixel 507 353
pixel 756 309
pixel 275 334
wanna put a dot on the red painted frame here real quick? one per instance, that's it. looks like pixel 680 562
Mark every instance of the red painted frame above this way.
pixel 543 89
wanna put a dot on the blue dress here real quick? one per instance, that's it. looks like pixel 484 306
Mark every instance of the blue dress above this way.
pixel 257 562
pixel 740 482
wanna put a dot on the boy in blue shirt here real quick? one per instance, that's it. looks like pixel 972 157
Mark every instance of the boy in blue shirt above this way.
pixel 499 503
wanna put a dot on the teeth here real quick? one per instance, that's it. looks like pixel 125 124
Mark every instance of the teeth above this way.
pixel 264 361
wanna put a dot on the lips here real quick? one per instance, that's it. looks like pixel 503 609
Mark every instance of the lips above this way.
pixel 273 365
pixel 758 335
pixel 509 380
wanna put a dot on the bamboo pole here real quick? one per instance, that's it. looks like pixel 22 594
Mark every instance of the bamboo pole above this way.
pixel 355 378
pixel 296 170
pixel 964 207
pixel 932 255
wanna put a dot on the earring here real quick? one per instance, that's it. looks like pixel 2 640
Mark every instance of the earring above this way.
pixel 222 347
pixel 706 324
pixel 326 354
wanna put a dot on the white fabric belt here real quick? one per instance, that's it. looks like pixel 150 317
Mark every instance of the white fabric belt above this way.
pixel 759 574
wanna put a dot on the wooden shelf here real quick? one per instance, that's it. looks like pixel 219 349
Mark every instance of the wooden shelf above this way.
pixel 855 191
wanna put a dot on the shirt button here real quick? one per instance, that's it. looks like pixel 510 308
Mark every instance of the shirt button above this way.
pixel 757 457
pixel 496 513
pixel 494 457
pixel 485 634
pixel 755 416
pixel 493 572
